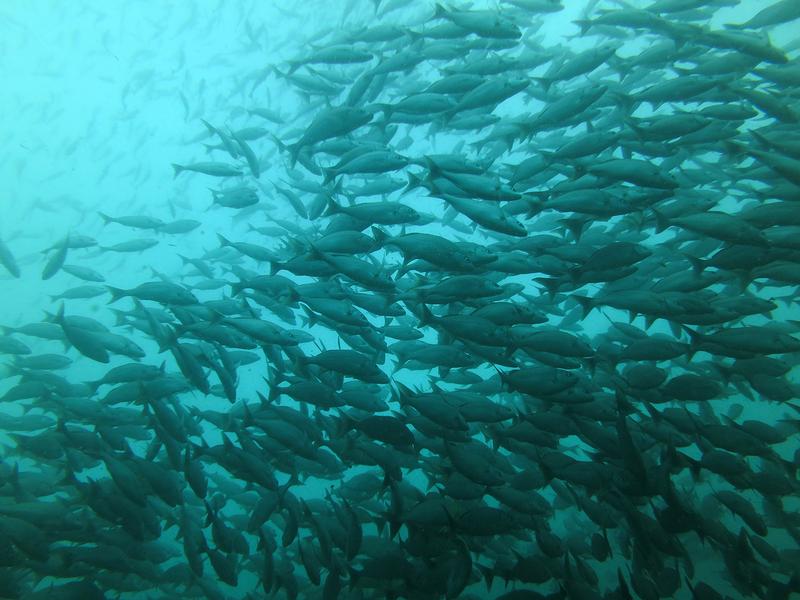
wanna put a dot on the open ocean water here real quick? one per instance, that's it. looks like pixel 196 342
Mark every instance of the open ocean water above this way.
pixel 397 299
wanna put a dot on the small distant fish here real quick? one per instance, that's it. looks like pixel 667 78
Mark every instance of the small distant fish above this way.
pixel 208 168
pixel 8 261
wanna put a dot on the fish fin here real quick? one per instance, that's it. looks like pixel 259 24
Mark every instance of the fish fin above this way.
pixel 414 181
pixel 575 226
pixel 116 293
pixel 440 12
pixel 584 24
pixel 381 237
pixel 294 152
pixel 425 316
pixel 488 575
pixel 178 169
pixel 661 221
pixel 293 66
pixel 333 208
pixel 698 264
pixel 545 82
pixel 311 318
pixel 330 174
pixel 552 284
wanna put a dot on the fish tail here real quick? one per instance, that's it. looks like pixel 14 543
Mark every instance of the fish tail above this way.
pixel 381 237
pixel 576 228
pixel 535 206
pixel 293 66
pixel 310 319
pixel 414 181
pixel 586 304
pixel 209 126
pixel 545 82
pixel 661 221
pixel 330 175
pixel 695 338
pixel 294 151
pixel 116 293
pixel 623 101
pixel 274 267
pixel 425 316
pixel 281 146
pixel 551 284
pixel 274 394
pixel 333 208
pixel 698 264
pixel 178 169
pixel 414 35
pixel 694 468
pixel 584 24
pixel 387 110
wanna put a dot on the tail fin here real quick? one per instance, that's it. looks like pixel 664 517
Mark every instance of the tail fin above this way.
pixel 545 82
pixel 696 339
pixel 116 293
pixel 381 237
pixel 661 221
pixel 426 317
pixel 294 151
pixel 178 170
pixel 698 264
pixel 333 208
pixel 552 284
pixel 281 146
pixel 586 304
pixel 329 175
pixel 293 66
pixel 414 181
pixel 584 24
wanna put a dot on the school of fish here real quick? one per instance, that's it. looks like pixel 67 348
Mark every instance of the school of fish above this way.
pixel 530 331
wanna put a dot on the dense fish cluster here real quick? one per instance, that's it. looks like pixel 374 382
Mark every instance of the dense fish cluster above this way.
pixel 479 316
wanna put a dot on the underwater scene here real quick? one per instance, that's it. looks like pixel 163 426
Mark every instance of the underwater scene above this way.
pixel 398 299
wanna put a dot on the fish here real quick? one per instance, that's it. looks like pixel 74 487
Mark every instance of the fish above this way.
pixel 8 261
pixel 483 294
pixel 330 124
pixel 56 260
pixel 783 11
pixel 214 169
pixel 237 197
pixel 134 221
